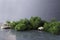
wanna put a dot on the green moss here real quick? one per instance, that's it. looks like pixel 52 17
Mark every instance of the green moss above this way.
pixel 52 27
pixel 20 27
pixel 35 22
pixel 24 24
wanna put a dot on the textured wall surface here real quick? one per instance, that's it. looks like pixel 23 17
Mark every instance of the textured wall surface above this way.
pixel 17 9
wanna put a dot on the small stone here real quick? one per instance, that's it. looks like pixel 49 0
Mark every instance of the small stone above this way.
pixel 40 28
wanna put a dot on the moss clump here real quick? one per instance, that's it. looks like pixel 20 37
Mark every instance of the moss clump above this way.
pixel 52 27
pixel 25 24
pixel 35 22
pixel 19 27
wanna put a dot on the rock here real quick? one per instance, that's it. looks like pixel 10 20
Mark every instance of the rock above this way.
pixel 40 28
pixel 5 26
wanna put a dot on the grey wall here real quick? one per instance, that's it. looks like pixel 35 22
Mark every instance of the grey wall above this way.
pixel 17 9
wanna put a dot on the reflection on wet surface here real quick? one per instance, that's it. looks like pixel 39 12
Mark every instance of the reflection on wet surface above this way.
pixel 27 35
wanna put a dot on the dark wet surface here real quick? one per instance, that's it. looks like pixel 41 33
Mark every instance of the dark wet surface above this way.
pixel 27 35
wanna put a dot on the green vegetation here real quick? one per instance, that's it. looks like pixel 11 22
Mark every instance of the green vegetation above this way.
pixel 13 24
pixel 52 27
pixel 19 27
pixel 25 24
pixel 33 23
pixel 36 22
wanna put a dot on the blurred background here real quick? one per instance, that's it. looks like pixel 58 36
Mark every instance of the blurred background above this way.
pixel 18 9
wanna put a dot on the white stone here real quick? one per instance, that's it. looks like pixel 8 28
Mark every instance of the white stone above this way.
pixel 3 26
pixel 40 28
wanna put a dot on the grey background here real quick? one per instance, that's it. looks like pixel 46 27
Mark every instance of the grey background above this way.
pixel 17 9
